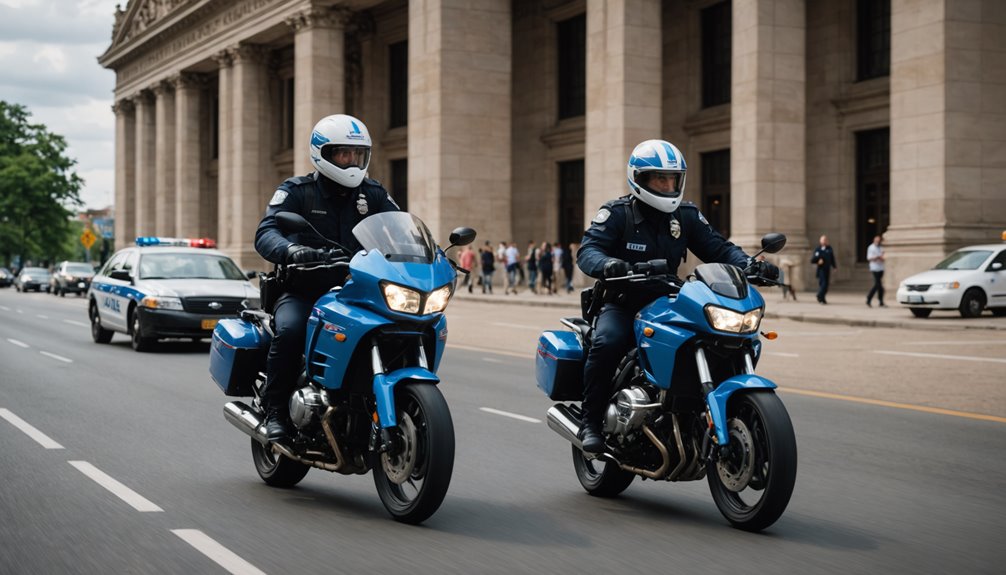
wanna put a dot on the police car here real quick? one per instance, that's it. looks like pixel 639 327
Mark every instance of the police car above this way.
pixel 166 287
pixel 969 280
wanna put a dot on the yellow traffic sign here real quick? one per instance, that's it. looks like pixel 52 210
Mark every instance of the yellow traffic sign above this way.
pixel 87 238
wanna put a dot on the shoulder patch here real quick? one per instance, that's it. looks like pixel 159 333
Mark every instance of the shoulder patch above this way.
pixel 602 216
pixel 279 197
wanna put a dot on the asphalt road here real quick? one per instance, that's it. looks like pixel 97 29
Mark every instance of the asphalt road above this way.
pixel 898 470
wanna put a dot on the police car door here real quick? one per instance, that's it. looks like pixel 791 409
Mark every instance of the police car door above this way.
pixel 116 291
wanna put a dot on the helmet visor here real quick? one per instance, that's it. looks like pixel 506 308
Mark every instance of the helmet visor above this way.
pixel 346 156
pixel 663 183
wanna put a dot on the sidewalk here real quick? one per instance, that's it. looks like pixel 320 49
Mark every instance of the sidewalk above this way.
pixel 844 308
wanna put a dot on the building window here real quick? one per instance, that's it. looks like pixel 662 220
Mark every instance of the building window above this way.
pixel 398 84
pixel 873 39
pixel 873 187
pixel 572 66
pixel 287 103
pixel 716 190
pixel 716 59
pixel 571 194
pixel 400 183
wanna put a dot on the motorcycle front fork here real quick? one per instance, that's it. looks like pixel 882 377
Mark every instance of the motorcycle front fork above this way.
pixel 381 437
pixel 706 381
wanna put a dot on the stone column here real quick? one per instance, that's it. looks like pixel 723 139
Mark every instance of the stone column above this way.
pixel 251 154
pixel 125 177
pixel 460 73
pixel 188 155
pixel 164 160
pixel 948 130
pixel 225 113
pixel 767 125
pixel 319 75
pixel 623 92
pixel 145 162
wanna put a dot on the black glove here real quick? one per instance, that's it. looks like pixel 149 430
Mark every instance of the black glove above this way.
pixel 614 268
pixel 766 270
pixel 298 254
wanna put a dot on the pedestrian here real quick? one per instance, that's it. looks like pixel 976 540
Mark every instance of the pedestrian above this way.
pixel 334 198
pixel 556 265
pixel 545 267
pixel 531 259
pixel 467 263
pixel 512 257
pixel 488 260
pixel 824 259
pixel 567 265
pixel 875 255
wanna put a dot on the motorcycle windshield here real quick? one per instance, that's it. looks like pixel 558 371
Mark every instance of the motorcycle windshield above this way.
pixel 725 280
pixel 400 236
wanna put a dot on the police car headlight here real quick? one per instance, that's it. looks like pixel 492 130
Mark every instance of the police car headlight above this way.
pixel 401 298
pixel 163 302
pixel 723 319
pixel 438 300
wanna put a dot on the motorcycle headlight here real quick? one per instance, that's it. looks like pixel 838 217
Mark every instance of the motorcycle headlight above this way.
pixel 164 302
pixel 437 300
pixel 401 299
pixel 723 319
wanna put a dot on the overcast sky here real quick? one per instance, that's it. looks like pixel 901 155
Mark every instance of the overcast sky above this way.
pixel 48 58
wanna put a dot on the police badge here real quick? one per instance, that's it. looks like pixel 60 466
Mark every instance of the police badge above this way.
pixel 675 228
pixel 361 205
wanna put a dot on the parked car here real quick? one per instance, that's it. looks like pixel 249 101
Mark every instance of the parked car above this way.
pixel 71 277
pixel 6 278
pixel 32 279
pixel 969 280
pixel 166 287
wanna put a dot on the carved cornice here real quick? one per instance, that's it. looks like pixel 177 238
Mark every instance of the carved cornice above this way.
pixel 141 15
pixel 315 17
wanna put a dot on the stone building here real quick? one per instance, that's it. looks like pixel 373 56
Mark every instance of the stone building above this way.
pixel 516 117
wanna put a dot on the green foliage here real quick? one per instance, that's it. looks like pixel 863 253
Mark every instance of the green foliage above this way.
pixel 38 188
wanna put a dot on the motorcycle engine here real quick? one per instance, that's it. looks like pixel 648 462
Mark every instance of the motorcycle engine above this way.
pixel 306 406
pixel 627 413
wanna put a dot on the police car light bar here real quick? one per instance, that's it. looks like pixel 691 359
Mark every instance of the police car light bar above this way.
pixel 148 241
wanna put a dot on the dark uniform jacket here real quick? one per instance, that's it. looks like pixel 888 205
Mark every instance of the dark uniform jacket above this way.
pixel 629 230
pixel 332 209
pixel 824 253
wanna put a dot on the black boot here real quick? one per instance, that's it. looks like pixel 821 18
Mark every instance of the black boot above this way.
pixel 277 424
pixel 590 437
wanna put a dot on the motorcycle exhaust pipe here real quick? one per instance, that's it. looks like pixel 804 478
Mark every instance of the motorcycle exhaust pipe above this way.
pixel 247 420
pixel 563 421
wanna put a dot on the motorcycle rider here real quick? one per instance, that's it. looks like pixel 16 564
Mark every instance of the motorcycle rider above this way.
pixel 333 198
pixel 650 223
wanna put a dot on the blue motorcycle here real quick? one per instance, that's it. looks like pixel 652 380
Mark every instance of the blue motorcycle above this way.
pixel 687 404
pixel 367 397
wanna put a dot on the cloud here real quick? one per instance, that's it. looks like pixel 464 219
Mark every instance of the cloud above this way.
pixel 57 21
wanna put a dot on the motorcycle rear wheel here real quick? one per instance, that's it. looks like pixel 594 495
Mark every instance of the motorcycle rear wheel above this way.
pixel 276 470
pixel 413 482
pixel 763 460
pixel 599 478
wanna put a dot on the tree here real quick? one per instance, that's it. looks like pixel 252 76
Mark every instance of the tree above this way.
pixel 38 187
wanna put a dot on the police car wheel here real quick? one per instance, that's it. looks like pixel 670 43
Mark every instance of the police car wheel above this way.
pixel 98 333
pixel 139 341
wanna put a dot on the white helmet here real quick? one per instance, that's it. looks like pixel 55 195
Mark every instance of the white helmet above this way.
pixel 340 149
pixel 656 174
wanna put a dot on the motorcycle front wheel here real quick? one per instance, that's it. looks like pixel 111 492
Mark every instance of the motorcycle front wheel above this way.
pixel 412 480
pixel 753 480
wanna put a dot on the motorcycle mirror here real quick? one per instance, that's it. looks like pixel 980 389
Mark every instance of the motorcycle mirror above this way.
pixel 461 237
pixel 773 242
pixel 290 222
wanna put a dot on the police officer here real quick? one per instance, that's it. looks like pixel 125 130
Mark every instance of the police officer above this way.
pixel 333 198
pixel 824 258
pixel 648 224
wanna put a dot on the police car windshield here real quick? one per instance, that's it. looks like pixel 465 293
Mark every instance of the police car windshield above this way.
pixel 188 266
pixel 963 260
pixel 400 236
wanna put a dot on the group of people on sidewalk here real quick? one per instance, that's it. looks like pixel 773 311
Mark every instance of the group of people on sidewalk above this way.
pixel 824 260
pixel 537 268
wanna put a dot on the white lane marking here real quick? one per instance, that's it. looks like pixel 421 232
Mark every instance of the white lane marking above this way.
pixel 941 356
pixel 517 325
pixel 508 414
pixel 43 439
pixel 18 343
pixel 56 357
pixel 492 360
pixel 39 316
pixel 80 323
pixel 137 501
pixel 958 342
pixel 782 353
pixel 220 555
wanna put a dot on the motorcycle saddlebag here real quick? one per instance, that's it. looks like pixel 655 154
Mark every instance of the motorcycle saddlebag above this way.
pixel 559 365
pixel 237 355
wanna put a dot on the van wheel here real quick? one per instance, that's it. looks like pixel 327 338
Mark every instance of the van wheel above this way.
pixel 972 303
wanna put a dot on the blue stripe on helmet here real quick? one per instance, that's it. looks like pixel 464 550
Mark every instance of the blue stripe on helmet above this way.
pixel 645 161
pixel 671 156
pixel 356 129
pixel 318 140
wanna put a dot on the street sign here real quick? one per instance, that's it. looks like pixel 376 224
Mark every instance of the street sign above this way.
pixel 104 226
pixel 87 238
